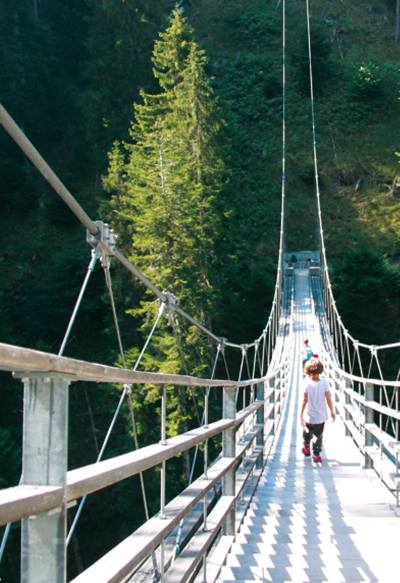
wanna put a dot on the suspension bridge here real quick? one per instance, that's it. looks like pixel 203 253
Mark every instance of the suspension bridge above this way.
pixel 259 511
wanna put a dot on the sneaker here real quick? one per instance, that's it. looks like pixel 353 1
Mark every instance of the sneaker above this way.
pixel 317 459
pixel 306 450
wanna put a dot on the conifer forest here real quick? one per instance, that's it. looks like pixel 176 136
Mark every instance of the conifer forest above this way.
pixel 165 120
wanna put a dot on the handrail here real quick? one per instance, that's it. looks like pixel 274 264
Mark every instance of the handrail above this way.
pixel 20 359
pixel 24 501
pixel 364 380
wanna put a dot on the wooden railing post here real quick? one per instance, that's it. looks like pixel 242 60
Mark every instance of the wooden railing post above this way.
pixel 229 450
pixel 260 421
pixel 369 418
pixel 44 463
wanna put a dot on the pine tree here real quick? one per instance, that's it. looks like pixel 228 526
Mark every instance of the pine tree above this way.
pixel 164 184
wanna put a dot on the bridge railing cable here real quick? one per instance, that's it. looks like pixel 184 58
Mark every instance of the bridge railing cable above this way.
pixel 369 406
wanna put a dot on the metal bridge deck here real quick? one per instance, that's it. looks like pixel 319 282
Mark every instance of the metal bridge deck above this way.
pixel 333 522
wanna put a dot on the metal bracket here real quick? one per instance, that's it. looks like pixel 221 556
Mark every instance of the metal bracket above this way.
pixel 170 300
pixel 222 342
pixel 105 235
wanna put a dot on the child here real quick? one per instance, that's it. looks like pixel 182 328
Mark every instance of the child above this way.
pixel 308 353
pixel 317 396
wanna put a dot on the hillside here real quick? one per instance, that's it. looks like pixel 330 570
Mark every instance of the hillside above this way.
pixel 70 74
pixel 357 82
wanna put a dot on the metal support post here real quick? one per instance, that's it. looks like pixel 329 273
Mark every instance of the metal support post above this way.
pixel 205 505
pixel 229 450
pixel 44 463
pixel 260 421
pixel 369 418
pixel 347 401
pixel 163 441
pixel 273 400
pixel 204 568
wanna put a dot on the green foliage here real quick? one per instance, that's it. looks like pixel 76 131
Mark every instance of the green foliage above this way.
pixel 367 288
pixel 250 27
pixel 69 72
pixel 373 90
pixel 164 184
pixel 118 48
pixel 323 68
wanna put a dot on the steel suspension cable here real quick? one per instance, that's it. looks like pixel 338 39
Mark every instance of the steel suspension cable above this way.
pixel 124 393
pixel 106 266
pixel 95 256
pixel 54 181
pixel 330 304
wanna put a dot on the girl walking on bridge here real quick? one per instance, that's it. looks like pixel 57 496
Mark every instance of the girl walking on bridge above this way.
pixel 316 396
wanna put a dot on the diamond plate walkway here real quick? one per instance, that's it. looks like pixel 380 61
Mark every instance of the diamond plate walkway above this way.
pixel 333 522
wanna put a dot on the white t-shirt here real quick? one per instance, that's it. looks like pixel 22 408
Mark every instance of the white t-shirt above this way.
pixel 317 409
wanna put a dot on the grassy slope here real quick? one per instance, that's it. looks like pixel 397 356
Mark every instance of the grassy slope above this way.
pixel 357 139
pixel 357 87
pixel 362 35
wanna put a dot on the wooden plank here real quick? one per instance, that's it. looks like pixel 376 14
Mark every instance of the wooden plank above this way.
pixel 22 501
pixel 122 559
pixel 249 410
pixel 383 409
pixel 354 395
pixel 97 476
pixel 26 360
pixel 190 557
pixel 243 474
pixel 216 559
pixel 146 569
pixel 352 377
pixel 383 437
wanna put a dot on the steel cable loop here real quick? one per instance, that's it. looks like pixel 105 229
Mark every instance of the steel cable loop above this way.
pixel 106 260
pixel 126 392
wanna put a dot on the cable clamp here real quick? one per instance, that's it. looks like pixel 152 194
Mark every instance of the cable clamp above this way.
pixel 104 235
pixel 222 342
pixel 170 300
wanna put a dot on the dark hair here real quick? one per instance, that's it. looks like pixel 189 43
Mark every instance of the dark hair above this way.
pixel 314 366
pixel 306 341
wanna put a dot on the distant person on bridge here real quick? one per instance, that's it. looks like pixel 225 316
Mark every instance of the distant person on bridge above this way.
pixel 316 397
pixel 307 352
